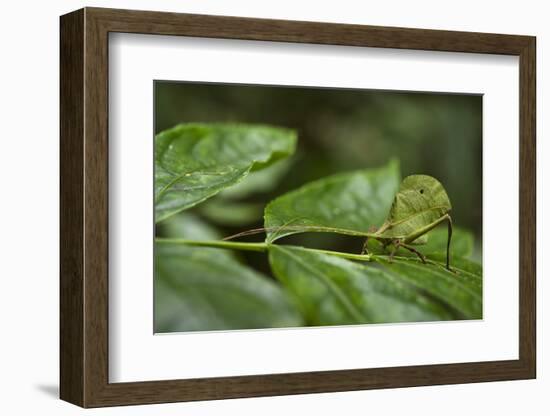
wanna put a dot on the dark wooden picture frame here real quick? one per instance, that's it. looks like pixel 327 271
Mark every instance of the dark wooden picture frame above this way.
pixel 84 207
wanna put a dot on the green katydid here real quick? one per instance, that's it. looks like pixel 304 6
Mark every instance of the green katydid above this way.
pixel 420 204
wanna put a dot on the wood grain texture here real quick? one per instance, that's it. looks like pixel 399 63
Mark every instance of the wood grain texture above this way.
pixel 527 208
pixel 71 99
pixel 84 207
pixel 96 209
pixel 162 23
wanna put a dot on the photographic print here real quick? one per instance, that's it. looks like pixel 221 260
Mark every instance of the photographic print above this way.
pixel 282 206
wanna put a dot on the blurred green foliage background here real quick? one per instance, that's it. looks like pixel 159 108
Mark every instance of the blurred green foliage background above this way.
pixel 338 130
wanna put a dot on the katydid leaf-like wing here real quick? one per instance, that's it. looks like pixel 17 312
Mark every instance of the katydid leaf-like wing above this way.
pixel 420 201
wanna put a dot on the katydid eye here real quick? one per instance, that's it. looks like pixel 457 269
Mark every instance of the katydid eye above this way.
pixel 422 191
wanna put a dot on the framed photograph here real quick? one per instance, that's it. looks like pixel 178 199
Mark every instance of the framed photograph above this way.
pixel 255 207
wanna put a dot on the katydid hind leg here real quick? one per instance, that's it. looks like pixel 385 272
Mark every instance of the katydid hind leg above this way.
pixel 449 236
pixel 413 236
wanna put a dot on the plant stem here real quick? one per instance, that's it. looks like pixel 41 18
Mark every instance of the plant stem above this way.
pixel 349 256
pixel 215 244
pixel 260 247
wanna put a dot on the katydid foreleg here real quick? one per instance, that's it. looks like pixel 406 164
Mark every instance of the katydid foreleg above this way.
pixel 365 249
pixel 421 256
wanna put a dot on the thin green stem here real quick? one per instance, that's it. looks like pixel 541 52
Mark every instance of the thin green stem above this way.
pixel 349 256
pixel 215 244
pixel 260 247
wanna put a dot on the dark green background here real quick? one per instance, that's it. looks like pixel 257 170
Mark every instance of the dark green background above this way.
pixel 343 129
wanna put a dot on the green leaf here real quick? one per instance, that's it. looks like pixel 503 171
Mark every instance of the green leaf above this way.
pixel 197 289
pixel 350 203
pixel 191 284
pixel 460 289
pixel 461 264
pixel 335 291
pixel 194 162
